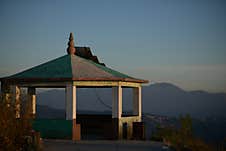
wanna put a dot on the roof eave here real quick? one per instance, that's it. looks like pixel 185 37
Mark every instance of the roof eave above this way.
pixel 112 79
pixel 18 80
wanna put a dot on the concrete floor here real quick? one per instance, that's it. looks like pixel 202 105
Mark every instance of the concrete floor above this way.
pixel 68 145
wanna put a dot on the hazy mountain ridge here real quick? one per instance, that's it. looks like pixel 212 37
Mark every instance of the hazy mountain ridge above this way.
pixel 167 99
pixel 160 98
pixel 46 112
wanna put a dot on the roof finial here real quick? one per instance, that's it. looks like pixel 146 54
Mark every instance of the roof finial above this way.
pixel 71 47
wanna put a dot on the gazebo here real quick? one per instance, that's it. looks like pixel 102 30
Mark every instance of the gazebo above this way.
pixel 73 71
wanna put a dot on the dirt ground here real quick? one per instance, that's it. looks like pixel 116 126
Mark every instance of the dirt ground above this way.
pixel 68 145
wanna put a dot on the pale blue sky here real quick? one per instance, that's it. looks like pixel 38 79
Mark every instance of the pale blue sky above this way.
pixel 177 41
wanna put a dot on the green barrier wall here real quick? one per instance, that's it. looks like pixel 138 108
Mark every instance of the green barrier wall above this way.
pixel 53 128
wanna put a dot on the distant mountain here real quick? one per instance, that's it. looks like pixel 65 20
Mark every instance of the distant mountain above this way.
pixel 46 112
pixel 54 98
pixel 87 99
pixel 168 99
pixel 160 98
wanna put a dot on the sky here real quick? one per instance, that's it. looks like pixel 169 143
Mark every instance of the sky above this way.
pixel 182 42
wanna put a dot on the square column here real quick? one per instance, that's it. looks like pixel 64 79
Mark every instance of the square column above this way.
pixel 137 104
pixel 71 111
pixel 116 102
pixel 129 130
pixel 117 112
pixel 31 96
pixel 70 102
pixel 15 91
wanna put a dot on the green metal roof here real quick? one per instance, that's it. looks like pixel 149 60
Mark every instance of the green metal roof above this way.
pixel 72 67
pixel 60 67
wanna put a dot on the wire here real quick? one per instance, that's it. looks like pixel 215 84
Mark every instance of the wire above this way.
pixel 101 101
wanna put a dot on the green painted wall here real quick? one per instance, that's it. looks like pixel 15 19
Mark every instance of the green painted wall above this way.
pixel 53 128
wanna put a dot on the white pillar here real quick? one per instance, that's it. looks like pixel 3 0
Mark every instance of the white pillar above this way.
pixel 137 104
pixel 116 102
pixel 70 102
pixel 15 91
pixel 31 100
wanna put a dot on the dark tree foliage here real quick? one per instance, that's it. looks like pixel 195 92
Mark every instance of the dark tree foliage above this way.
pixel 182 139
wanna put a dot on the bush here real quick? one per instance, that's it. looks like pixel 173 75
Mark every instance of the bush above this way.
pixel 182 139
pixel 15 133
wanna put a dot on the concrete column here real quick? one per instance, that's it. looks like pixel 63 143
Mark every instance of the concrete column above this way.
pixel 31 100
pixel 137 104
pixel 70 102
pixel 15 91
pixel 116 102
pixel 129 130
pixel 117 112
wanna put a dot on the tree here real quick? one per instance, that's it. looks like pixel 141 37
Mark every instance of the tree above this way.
pixel 182 139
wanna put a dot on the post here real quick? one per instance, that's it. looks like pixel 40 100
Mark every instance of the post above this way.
pixel 116 102
pixel 71 111
pixel 31 95
pixel 15 91
pixel 70 102
pixel 129 130
pixel 137 104
pixel 117 112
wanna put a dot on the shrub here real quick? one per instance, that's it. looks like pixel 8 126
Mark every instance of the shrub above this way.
pixel 15 133
pixel 182 139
